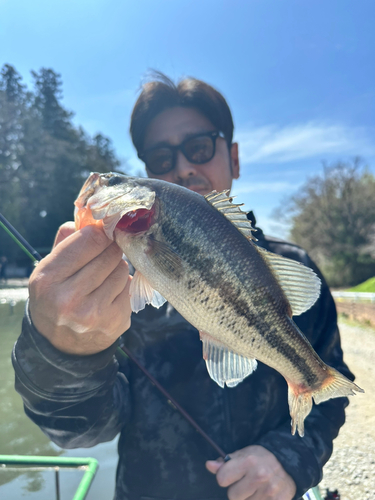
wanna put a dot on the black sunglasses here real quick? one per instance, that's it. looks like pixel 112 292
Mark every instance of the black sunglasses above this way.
pixel 197 149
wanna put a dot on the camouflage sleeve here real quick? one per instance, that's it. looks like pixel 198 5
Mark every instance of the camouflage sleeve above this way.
pixel 304 458
pixel 78 401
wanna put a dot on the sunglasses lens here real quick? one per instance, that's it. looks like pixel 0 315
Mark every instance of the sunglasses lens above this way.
pixel 159 161
pixel 199 149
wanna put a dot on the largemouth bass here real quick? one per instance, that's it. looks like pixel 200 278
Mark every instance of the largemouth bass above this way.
pixel 198 253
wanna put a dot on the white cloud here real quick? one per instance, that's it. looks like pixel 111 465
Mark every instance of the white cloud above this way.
pixel 275 144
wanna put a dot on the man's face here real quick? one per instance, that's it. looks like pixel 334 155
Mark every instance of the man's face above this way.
pixel 173 126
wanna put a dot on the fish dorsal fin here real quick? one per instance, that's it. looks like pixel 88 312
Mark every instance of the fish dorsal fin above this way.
pixel 299 283
pixel 224 203
pixel 142 293
pixel 225 366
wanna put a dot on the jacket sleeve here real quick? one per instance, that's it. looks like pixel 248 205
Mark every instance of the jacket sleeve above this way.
pixel 77 401
pixel 304 458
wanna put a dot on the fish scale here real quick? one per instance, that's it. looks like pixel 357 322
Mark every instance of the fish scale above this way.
pixel 199 254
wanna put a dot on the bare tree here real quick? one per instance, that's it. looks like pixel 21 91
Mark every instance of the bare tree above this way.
pixel 333 217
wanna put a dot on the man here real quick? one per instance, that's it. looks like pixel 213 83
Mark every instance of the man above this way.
pixel 74 389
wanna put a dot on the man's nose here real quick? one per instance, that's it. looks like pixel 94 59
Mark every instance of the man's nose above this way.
pixel 183 167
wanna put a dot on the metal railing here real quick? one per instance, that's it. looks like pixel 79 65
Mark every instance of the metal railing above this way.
pixel 35 463
pixel 357 296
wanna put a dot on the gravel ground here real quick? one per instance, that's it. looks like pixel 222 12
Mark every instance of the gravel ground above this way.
pixel 351 468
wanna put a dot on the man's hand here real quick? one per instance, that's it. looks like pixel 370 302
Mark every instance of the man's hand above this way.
pixel 253 473
pixel 79 293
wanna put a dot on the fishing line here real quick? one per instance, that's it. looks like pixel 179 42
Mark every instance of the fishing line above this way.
pixel 121 352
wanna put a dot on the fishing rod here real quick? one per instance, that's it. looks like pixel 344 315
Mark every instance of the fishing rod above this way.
pixel 122 352
pixel 20 240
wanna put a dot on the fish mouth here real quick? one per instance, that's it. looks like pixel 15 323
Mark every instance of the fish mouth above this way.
pixel 137 221
pixel 115 202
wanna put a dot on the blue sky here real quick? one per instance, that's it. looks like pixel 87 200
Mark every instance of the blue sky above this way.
pixel 298 75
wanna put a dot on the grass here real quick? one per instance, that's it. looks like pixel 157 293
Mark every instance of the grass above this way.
pixel 343 318
pixel 366 286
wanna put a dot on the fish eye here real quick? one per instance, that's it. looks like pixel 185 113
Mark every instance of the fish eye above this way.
pixel 114 180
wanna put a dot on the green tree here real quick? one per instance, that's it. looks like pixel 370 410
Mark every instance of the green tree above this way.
pixel 10 83
pixel 44 158
pixel 13 102
pixel 333 217
pixel 47 96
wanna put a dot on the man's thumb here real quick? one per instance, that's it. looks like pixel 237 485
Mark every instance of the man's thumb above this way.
pixel 214 465
pixel 64 231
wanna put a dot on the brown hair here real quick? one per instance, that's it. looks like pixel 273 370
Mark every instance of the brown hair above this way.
pixel 161 93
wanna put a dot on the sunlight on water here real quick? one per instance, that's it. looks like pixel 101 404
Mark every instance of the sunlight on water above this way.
pixel 19 436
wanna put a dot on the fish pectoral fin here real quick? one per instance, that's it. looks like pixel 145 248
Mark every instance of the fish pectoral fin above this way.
pixel 225 366
pixel 142 293
pixel 299 283
pixel 166 259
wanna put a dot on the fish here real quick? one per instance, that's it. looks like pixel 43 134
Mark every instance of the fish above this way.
pixel 199 254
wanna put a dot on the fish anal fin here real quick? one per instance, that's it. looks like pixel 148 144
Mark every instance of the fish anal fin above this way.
pixel 231 211
pixel 225 366
pixel 300 404
pixel 300 284
pixel 142 293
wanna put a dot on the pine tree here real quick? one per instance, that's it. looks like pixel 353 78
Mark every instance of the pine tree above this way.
pixel 13 105
pixel 48 94
pixel 44 158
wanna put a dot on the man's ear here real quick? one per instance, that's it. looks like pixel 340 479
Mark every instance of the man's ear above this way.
pixel 235 162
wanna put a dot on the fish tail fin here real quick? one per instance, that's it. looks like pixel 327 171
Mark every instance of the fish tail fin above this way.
pixel 335 385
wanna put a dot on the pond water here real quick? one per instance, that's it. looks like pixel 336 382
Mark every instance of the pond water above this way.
pixel 19 436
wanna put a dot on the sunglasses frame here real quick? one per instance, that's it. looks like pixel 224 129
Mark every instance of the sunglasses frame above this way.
pixel 213 135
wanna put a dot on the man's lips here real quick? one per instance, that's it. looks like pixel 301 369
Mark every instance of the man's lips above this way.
pixel 198 189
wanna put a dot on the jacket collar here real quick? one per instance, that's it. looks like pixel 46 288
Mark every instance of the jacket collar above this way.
pixel 259 235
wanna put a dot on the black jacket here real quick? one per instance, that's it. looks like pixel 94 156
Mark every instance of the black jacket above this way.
pixel 82 401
